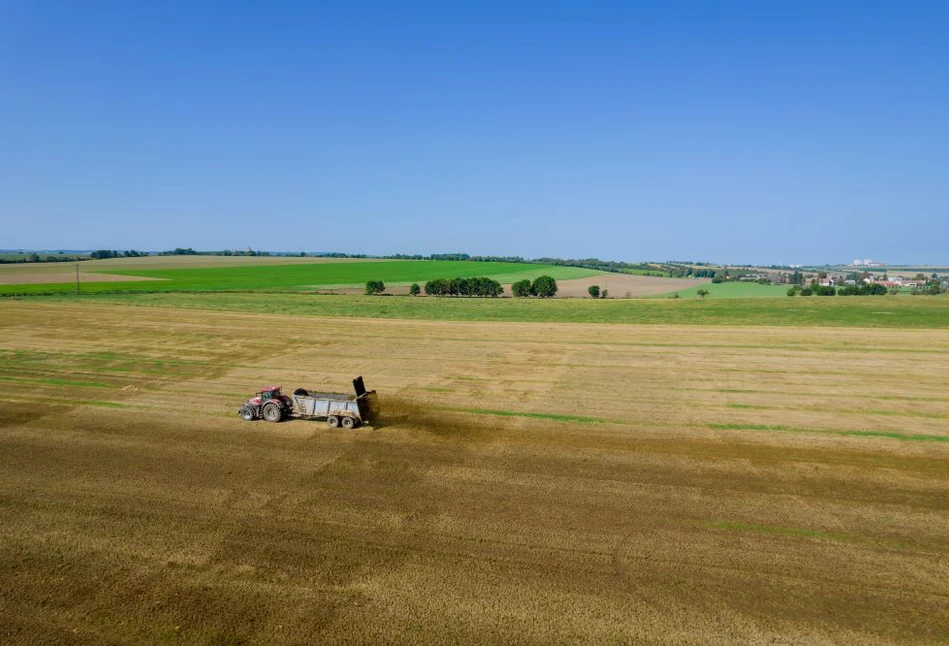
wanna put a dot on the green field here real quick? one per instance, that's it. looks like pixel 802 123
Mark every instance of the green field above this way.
pixel 734 290
pixel 301 277
pixel 852 311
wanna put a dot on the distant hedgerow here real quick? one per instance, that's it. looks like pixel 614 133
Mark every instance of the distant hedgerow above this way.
pixel 480 286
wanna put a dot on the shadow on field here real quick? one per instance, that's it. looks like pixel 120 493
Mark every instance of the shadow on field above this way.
pixel 407 413
pixel 15 413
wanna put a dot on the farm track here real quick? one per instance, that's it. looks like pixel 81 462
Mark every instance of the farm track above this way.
pixel 150 513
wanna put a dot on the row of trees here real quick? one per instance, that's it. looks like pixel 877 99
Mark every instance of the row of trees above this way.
pixel 869 289
pixel 188 251
pixel 103 254
pixel 542 287
pixel 35 257
pixel 480 286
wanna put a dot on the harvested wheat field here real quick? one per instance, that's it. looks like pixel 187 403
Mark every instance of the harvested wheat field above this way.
pixel 63 276
pixel 530 483
pixel 622 285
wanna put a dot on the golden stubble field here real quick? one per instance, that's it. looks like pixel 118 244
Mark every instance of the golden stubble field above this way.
pixel 689 485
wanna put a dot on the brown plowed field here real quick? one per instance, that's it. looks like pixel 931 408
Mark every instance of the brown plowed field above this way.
pixel 39 277
pixel 528 483
pixel 623 285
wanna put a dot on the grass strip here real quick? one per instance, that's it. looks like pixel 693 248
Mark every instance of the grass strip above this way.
pixel 90 402
pixel 70 402
pixel 893 435
pixel 854 411
pixel 857 311
pixel 551 416
pixel 56 382
pixel 801 532
pixel 802 393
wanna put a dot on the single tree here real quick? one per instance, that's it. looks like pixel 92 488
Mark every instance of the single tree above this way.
pixel 544 287
pixel 702 293
pixel 521 289
pixel 415 290
pixel 594 291
pixel 605 293
pixel 375 287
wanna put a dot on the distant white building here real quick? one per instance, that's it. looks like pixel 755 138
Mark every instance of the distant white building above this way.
pixel 866 262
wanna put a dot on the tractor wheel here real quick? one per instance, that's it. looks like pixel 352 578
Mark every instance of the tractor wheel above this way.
pixel 332 421
pixel 247 414
pixel 272 412
pixel 349 423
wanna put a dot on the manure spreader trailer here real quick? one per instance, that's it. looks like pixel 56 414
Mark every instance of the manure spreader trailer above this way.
pixel 348 411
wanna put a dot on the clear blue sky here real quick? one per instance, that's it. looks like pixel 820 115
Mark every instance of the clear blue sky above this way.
pixel 759 132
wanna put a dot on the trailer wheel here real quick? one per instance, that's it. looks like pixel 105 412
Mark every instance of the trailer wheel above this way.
pixel 349 423
pixel 272 412
pixel 247 413
pixel 332 421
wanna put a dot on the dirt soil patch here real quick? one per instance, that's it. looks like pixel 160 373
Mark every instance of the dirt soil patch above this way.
pixel 38 278
pixel 623 285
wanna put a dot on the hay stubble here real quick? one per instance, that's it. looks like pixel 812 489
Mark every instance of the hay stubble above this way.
pixel 667 517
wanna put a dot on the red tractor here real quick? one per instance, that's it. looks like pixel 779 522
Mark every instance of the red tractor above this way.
pixel 269 403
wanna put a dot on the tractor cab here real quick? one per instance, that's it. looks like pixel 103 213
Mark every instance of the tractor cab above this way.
pixel 271 392
pixel 267 393
pixel 269 403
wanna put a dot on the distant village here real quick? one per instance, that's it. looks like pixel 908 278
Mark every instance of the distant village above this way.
pixel 858 281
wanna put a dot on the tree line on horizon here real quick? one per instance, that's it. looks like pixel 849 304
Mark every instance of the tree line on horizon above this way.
pixel 34 257
pixel 476 286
